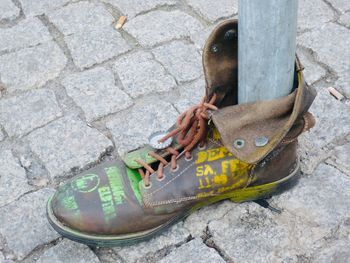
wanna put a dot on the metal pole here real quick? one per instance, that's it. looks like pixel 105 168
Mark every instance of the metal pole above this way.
pixel 266 50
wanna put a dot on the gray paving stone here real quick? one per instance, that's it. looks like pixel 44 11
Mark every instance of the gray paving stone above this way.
pixel 182 60
pixel 31 67
pixel 214 11
pixel 145 250
pixel 141 74
pixel 68 252
pixel 24 224
pixel 327 126
pixel 309 216
pixel 96 45
pixel 8 10
pixel 34 8
pixel 190 94
pixel 314 197
pixel 342 5
pixel 28 32
pixel 345 19
pixel 197 222
pixel 313 144
pixel 313 71
pixel 193 251
pixel 142 120
pixel 13 181
pixel 131 8
pixel 78 17
pixel 67 143
pixel 340 158
pixel 199 38
pixel 313 13
pixel 2 136
pixel 339 252
pixel 159 26
pixel 331 43
pixel 96 93
pixel 22 114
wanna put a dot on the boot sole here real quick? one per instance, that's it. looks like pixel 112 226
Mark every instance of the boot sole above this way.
pixel 241 195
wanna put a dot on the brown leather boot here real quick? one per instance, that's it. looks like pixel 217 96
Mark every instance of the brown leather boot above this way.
pixel 217 150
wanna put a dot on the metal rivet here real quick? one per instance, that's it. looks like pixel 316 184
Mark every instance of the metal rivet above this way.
pixel 215 49
pixel 230 34
pixel 261 141
pixel 239 143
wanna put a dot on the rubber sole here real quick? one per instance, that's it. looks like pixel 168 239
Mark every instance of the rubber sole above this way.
pixel 241 195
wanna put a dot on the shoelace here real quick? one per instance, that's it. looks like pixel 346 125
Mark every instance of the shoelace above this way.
pixel 191 130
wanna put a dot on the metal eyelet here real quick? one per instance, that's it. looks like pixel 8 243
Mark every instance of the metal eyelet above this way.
pixel 189 159
pixel 176 169
pixel 161 179
pixel 147 186
pixel 215 48
pixel 230 34
pixel 239 143
pixel 202 147
pixel 261 141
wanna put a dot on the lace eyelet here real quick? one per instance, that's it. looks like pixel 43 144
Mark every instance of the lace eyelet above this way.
pixel 147 186
pixel 202 147
pixel 176 169
pixel 189 159
pixel 161 179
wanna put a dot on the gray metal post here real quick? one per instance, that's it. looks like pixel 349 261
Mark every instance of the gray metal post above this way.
pixel 266 50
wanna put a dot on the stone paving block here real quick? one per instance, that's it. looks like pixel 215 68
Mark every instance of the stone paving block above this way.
pixel 159 26
pixel 193 252
pixel 337 252
pixel 140 74
pixel 24 224
pixel 341 5
pixel 8 10
pixel 31 67
pixel 199 38
pixel 197 222
pixel 340 158
pixel 142 120
pixel 13 181
pixel 22 114
pixel 182 60
pixel 67 143
pixel 68 251
pixel 345 19
pixel 327 126
pixel 78 17
pixel 331 43
pixel 139 252
pixel 313 13
pixel 310 215
pixel 28 32
pixel 322 198
pixel 131 8
pixel 2 136
pixel 327 129
pixel 313 71
pixel 190 94
pixel 214 11
pixel 96 93
pixel 93 46
pixel 34 8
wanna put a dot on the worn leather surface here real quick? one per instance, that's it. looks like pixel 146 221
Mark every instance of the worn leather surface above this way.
pixel 272 119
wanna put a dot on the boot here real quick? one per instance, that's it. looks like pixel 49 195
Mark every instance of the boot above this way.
pixel 217 150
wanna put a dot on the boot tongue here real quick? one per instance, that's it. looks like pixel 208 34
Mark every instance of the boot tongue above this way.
pixel 220 63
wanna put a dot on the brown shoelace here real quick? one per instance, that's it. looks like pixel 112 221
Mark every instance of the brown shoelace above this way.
pixel 191 130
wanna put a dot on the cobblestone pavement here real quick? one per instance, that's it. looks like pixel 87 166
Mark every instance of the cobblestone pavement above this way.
pixel 75 91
